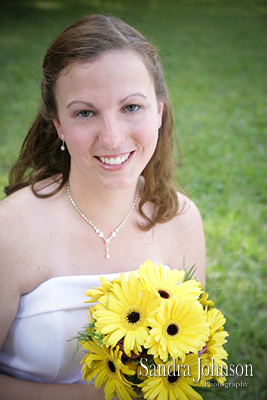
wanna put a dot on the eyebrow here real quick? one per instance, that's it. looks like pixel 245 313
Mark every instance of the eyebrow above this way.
pixel 91 104
pixel 133 95
pixel 79 102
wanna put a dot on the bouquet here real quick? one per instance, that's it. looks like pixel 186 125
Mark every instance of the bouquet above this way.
pixel 154 335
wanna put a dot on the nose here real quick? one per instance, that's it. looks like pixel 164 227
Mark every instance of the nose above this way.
pixel 112 132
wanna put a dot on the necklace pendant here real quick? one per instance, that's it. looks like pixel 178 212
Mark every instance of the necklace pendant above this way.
pixel 107 251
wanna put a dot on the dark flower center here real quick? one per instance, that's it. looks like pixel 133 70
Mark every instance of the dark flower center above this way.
pixel 133 317
pixel 172 329
pixel 163 294
pixel 111 366
pixel 172 378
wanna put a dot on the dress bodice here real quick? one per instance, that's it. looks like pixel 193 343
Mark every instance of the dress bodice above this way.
pixel 39 345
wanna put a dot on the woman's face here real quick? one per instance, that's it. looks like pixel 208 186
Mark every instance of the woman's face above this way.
pixel 110 116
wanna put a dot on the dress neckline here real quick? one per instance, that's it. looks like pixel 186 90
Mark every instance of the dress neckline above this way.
pixel 59 293
pixel 78 276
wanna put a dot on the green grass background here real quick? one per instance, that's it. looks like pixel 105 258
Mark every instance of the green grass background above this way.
pixel 214 55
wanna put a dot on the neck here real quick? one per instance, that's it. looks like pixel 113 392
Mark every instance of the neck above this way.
pixel 105 208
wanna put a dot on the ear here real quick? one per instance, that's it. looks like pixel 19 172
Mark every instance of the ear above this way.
pixel 58 127
pixel 160 113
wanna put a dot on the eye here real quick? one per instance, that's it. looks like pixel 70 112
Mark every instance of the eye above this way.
pixel 132 108
pixel 84 114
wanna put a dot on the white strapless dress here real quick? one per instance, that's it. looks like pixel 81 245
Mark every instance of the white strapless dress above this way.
pixel 39 346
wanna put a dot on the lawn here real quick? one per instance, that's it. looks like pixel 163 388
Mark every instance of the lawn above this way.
pixel 214 54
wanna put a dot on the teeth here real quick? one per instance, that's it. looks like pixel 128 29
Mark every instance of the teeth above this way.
pixel 114 161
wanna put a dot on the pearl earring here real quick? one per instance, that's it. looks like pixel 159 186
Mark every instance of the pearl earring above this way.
pixel 63 143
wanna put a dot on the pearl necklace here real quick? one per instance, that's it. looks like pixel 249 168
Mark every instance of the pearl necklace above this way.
pixel 99 233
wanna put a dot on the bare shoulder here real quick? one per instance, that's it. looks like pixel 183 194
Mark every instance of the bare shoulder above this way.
pixel 188 236
pixel 21 209
pixel 12 214
pixel 25 221
pixel 188 209
pixel 16 215
pixel 189 216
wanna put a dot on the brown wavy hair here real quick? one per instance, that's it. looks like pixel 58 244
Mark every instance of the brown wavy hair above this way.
pixel 40 156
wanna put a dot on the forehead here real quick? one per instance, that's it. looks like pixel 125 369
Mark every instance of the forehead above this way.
pixel 111 65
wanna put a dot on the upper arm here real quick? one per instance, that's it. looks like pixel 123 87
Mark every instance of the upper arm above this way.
pixel 12 276
pixel 9 299
pixel 192 237
pixel 9 287
pixel 197 248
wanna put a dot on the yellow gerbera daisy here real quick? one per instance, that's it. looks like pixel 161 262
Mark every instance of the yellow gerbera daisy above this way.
pixel 175 383
pixel 217 339
pixel 179 327
pixel 166 282
pixel 123 313
pixel 214 353
pixel 96 292
pixel 213 357
pixel 215 348
pixel 216 320
pixel 105 366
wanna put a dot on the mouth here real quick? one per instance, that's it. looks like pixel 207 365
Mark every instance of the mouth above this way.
pixel 115 160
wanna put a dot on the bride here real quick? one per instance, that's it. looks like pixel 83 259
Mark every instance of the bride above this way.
pixel 91 195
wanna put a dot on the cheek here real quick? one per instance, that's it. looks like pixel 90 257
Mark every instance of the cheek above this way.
pixel 147 133
pixel 78 140
pixel 76 132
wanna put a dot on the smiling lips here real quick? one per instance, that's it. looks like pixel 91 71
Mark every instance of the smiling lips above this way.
pixel 114 160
